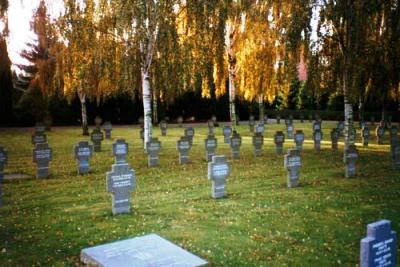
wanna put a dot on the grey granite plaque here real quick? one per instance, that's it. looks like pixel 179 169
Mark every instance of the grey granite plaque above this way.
pixel 251 123
pixel 218 171
pixel 210 145
pixel 183 146
pixel 120 150
pixel 42 155
pixel 153 149
pixel 3 162
pixel 180 121
pixel 163 128
pixel 292 163
pixel 365 135
pixel 380 132
pixel 350 159
pixel 279 139
pixel 289 130
pixel 189 133
pixel 335 134
pixel 83 152
pixel 258 142
pixel 145 251
pixel 107 127
pixel 97 136
pixel 97 121
pixel 299 139
pixel 236 142
pixel 317 137
pixel 120 181
pixel 39 137
pixel 227 131
pixel 379 247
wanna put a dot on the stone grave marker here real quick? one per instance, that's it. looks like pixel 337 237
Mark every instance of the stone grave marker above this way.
pixel 42 155
pixel 183 146
pixel 3 162
pixel 380 132
pixel 316 126
pixel 251 123
pixel 278 119
pixel 180 121
pixel 210 145
pixel 299 139
pixel 189 132
pixel 236 142
pixel 258 142
pixel 145 251
pixel 317 137
pixel 289 130
pixel 335 134
pixel 227 131
pixel 259 128
pixel 287 122
pixel 394 138
pixel 96 137
pixel 163 128
pixel 107 127
pixel 379 247
pixel 38 137
pixel 120 181
pixel 279 139
pixel 153 150
pixel 83 152
pixel 120 150
pixel 40 128
pixel 218 171
pixel 210 124
pixel 292 164
pixel 214 120
pixel 350 159
pixel 365 135
pixel 97 121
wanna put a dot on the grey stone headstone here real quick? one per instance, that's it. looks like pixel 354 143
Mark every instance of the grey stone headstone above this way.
pixel 38 138
pixel 278 119
pixel 236 142
pixel 120 181
pixel 380 132
pixel 227 131
pixel 279 139
pixel 107 127
pixel 210 124
pixel 316 126
pixel 40 128
pixel 365 135
pixel 379 247
pixel 335 134
pixel 97 121
pixel 251 123
pixel 83 152
pixel 183 146
pixel 148 250
pixel 218 171
pixel 189 132
pixel 350 159
pixel 180 121
pixel 3 162
pixel 214 119
pixel 317 137
pixel 299 139
pixel 259 128
pixel 211 146
pixel 163 128
pixel 120 150
pixel 292 164
pixel 289 130
pixel 42 155
pixel 153 149
pixel 97 136
pixel 258 142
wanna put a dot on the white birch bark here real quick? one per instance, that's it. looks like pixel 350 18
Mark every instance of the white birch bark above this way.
pixel 261 107
pixel 82 99
pixel 146 106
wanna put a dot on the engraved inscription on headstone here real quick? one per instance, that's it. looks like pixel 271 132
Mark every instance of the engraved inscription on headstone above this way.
pixel 153 149
pixel 42 155
pixel 335 138
pixel 189 132
pixel 292 163
pixel 227 131
pixel 107 127
pixel 120 181
pixel 83 152
pixel 236 142
pixel 299 139
pixel 350 159
pixel 218 171
pixel 365 135
pixel 39 137
pixel 379 247
pixel 120 150
pixel 258 141
pixel 183 147
pixel 96 137
pixel 380 132
pixel 317 136
pixel 279 139
pixel 3 162
pixel 163 128
pixel 210 145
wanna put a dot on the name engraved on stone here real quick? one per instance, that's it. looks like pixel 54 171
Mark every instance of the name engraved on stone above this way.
pixel 210 145
pixel 183 146
pixel 317 136
pixel 153 149
pixel 83 152
pixel 38 138
pixel 96 137
pixel 218 171
pixel 120 150
pixel 292 163
pixel 258 141
pixel 42 155
pixel 279 139
pixel 227 131
pixel 236 142
pixel 299 139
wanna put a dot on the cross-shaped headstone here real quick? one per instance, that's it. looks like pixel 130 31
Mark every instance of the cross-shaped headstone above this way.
pixel 120 181
pixel 96 137
pixel 107 127
pixel 210 125
pixel 3 162
pixel 227 131
pixel 120 150
pixel 289 130
pixel 317 136
pixel 278 119
pixel 292 164
pixel 236 142
pixel 379 247
pixel 218 171
pixel 39 137
pixel 210 145
pixel 83 152
pixel 153 149
pixel 258 141
pixel 163 128
pixel 299 139
pixel 394 138
pixel 396 155
pixel 259 128
pixel 251 123
pixel 380 132
pixel 316 126
pixel 335 138
pixel 183 146
pixel 180 121
pixel 365 135
pixel 350 159
pixel 40 128
pixel 279 139
pixel 42 155
pixel 189 132
pixel 97 121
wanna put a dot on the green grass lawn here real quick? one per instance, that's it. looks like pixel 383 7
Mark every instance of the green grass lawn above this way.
pixel 260 223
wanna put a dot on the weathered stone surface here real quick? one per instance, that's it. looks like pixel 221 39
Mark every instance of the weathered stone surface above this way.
pixel 259 128
pixel 97 136
pixel 40 128
pixel 218 171
pixel 236 142
pixel 42 155
pixel 317 126
pixel 227 131
pixel 83 152
pixel 299 139
pixel 317 137
pixel 120 150
pixel 289 130
pixel 292 163
pixel 350 159
pixel 39 137
pixel 183 146
pixel 279 139
pixel 210 145
pixel 107 127
pixel 258 142
pixel 153 149
pixel 189 133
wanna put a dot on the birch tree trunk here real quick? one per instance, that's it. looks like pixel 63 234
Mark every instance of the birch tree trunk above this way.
pixel 82 98
pixel 155 107
pixel 146 106
pixel 261 107
pixel 231 75
pixel 348 111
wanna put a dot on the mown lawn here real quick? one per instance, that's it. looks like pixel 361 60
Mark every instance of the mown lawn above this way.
pixel 260 223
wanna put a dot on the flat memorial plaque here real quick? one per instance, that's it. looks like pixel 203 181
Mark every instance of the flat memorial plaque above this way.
pixel 148 250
